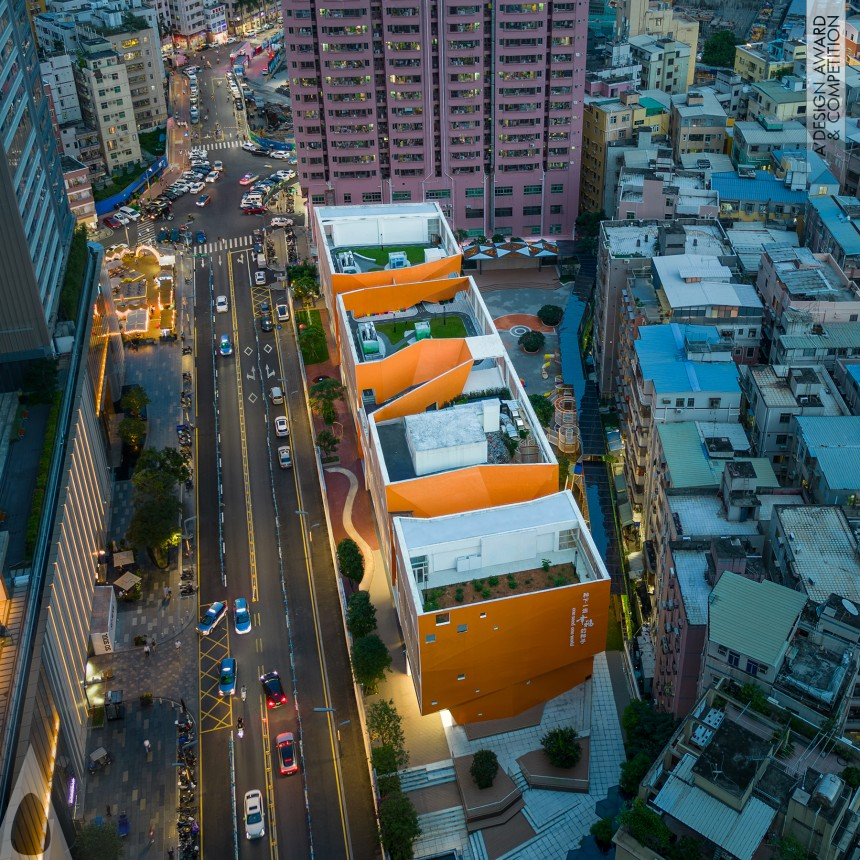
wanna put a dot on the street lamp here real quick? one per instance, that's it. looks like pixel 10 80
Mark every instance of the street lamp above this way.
pixel 339 726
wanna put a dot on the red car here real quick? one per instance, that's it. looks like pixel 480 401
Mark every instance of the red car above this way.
pixel 287 762
pixel 255 210
pixel 111 222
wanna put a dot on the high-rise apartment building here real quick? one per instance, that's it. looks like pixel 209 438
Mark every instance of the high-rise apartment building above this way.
pixel 35 221
pixel 476 106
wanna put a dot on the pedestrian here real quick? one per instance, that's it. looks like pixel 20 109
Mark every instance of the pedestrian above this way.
pixel 182 702
pixel 147 745
pixel 146 650
pixel 169 593
pixel 178 644
pixel 153 646
pixel 166 592
pixel 108 811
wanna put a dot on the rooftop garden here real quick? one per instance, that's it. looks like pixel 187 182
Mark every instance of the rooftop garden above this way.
pixel 450 326
pixel 414 253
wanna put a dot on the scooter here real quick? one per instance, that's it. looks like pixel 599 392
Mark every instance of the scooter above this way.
pixel 187 350
pixel 240 730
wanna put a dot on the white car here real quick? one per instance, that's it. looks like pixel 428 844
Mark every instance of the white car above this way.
pixel 212 176
pixel 281 222
pixel 221 305
pixel 196 187
pixel 284 459
pixel 199 152
pixel 133 214
pixel 123 219
pixel 248 145
pixel 280 154
pixel 260 279
pixel 281 427
pixel 218 165
pixel 255 821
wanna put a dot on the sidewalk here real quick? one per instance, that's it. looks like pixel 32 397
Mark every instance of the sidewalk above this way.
pixel 144 785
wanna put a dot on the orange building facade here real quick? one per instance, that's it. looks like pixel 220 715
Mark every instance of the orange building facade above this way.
pixel 450 442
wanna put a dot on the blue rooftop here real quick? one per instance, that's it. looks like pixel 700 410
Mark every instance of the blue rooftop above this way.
pixel 763 188
pixel 818 173
pixel 854 372
pixel 843 230
pixel 835 442
pixel 663 360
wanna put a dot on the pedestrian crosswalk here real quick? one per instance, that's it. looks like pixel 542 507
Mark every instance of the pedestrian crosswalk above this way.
pixel 145 232
pixel 237 243
pixel 221 144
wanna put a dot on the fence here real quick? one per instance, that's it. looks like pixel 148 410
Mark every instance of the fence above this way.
pixel 149 175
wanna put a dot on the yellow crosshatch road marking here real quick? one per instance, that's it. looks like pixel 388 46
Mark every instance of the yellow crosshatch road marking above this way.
pixel 258 296
pixel 215 711
pixel 243 436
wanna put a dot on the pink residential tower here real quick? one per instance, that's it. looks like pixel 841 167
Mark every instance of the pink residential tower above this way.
pixel 478 107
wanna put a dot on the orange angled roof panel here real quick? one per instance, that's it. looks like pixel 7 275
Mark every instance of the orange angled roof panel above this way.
pixel 394 297
pixel 435 269
pixel 440 388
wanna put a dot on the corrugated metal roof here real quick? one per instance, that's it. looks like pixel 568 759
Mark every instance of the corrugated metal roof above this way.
pixel 765 187
pixel 660 350
pixel 690 569
pixel 844 232
pixel 837 336
pixel 834 440
pixel 686 458
pixel 753 618
pixel 738 833
pixel 791 132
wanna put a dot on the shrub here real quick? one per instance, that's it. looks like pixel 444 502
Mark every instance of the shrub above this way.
pixel 851 775
pixel 350 560
pixel 532 341
pixel 384 759
pixel 603 831
pixel 145 700
pixel 550 315
pixel 398 826
pixel 633 772
pixel 561 747
pixel 360 615
pixel 512 582
pixel 493 581
pixel 458 595
pixel 543 408
pixel 370 661
pixel 387 784
pixel 485 766
pixel 385 727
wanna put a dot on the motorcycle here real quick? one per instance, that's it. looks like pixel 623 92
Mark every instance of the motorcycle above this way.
pixel 187 350
pixel 240 729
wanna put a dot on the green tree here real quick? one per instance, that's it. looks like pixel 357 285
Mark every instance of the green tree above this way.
pixel 312 340
pixel 603 830
pixel 370 661
pixel 398 826
pixel 484 767
pixel 633 772
pixel 350 561
pixel 550 314
pixel 384 760
pixel 543 408
pixel 327 442
pixel 159 471
pixel 719 49
pixel 646 729
pixel 851 775
pixel 385 727
pixel 790 848
pixel 155 526
pixel 98 842
pixel 134 400
pixel 322 396
pixel 360 615
pixel 561 747
pixel 132 431
pixel 646 827
pixel 588 224
pixel 532 341
pixel 304 287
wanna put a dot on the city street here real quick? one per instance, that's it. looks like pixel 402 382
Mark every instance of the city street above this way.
pixel 261 534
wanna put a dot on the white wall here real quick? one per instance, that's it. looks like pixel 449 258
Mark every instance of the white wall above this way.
pixel 453 457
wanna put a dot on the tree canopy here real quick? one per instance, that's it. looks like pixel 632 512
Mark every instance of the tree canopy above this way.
pixel 370 661
pixel 398 826
pixel 360 615
pixel 98 842
pixel 719 49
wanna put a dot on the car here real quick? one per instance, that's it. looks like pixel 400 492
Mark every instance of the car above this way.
pixel 255 822
pixel 247 145
pixel 218 165
pixel 285 460
pixel 204 200
pixel 124 220
pixel 200 237
pixel 196 187
pixel 248 179
pixel 199 150
pixel 230 40
pixel 241 616
pixel 227 682
pixel 189 175
pixel 275 696
pixel 112 222
pixel 266 323
pixel 287 763
pixel 254 210
pixel 260 151
pixel 224 345
pixel 260 279
pixel 282 428
pixel 281 222
pixel 221 305
pixel 133 214
pixel 181 186
pixel 282 312
pixel 264 72
pixel 280 154
pixel 211 617
pixel 212 176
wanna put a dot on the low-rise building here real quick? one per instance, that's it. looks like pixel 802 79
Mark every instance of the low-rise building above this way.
pixel 803 168
pixel 832 227
pixel 773 396
pixel 697 123
pixel 79 190
pixel 644 193
pixel 783 100
pixel 754 142
pixel 846 374
pixel 664 62
pixel 732 92
pixel 747 194
pixel 58 80
pixel 765 61
pixel 798 340
pixel 825 458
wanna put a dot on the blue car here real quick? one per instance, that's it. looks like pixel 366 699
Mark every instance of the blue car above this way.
pixel 211 618
pixel 227 684
pixel 241 616
pixel 200 237
pixel 224 346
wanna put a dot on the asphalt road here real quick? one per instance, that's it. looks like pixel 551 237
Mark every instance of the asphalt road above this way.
pixel 265 551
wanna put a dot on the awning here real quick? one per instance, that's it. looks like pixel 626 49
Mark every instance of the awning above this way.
pixel 127 581
pixel 120 559
pixel 625 514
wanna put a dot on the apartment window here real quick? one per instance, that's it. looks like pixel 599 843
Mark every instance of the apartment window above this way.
pixel 443 618
pixel 504 191
pixel 535 230
pixel 782 439
pixel 566 539
pixel 462 628
pixel 430 638
pixel 317 199
pixel 679 402
pixel 474 213
pixel 439 194
pixel 474 192
pixel 556 188
pixel 461 677
pixel 691 402
pixel 347 198
pixel 784 417
pixel 754 668
pixel 722 650
pixel 733 659
pixel 750 351
pixel 371 197
pixel 714 402
pixel 504 211
pixel 556 209
pixel 420 568
pixel 531 210
pixel 555 229
pixel 401 195
pixel 852 318
pixel 532 189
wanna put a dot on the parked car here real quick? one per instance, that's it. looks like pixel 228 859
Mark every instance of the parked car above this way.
pixel 282 312
pixel 282 428
pixel 281 222
pixel 112 222
pixel 260 279
pixel 254 210
pixel 130 213
pixel 204 200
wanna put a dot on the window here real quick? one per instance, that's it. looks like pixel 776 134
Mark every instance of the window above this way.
pixel 371 197
pixel 532 189
pixel 504 191
pixel 733 659
pixel 420 568
pixel 555 229
pixel 430 638
pixel 461 677
pixel 474 192
pixel 750 352
pixel 532 210
pixel 556 188
pixel 317 199
pixel 679 402
pixel 556 209
pixel 504 211
pixel 784 417
pixel 566 539
pixel 443 618
pixel 782 439
pixel 754 668
pixel 439 194
pixel 401 195
pixel 714 402
pixel 347 198
pixel 462 628
pixel 535 230
pixel 691 402
pixel 722 650
pixel 753 332
pixel 852 318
